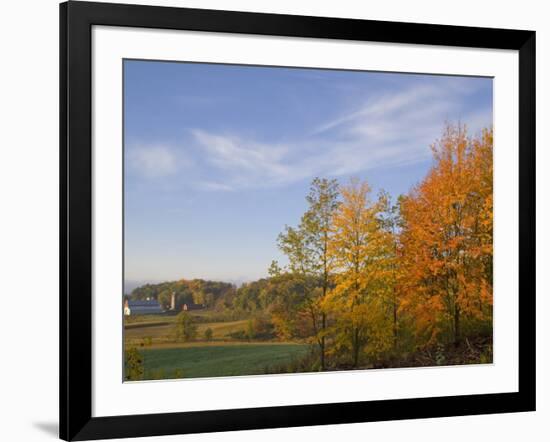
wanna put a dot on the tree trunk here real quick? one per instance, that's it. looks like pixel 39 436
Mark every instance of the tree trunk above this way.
pixel 395 324
pixel 323 325
pixel 456 324
pixel 356 347
pixel 325 287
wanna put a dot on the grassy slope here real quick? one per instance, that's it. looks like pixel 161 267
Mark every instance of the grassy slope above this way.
pixel 216 360
pixel 164 333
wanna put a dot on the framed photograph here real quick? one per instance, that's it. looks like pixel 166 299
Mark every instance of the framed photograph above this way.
pixel 272 220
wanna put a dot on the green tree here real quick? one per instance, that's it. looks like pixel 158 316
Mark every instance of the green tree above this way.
pixel 186 329
pixel 307 250
pixel 208 334
pixel 283 298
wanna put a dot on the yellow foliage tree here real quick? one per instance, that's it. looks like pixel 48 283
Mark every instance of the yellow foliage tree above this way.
pixel 359 248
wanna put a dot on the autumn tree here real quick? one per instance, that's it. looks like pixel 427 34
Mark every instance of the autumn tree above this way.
pixel 359 249
pixel 307 250
pixel 447 236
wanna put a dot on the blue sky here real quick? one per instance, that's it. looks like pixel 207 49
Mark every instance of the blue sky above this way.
pixel 219 158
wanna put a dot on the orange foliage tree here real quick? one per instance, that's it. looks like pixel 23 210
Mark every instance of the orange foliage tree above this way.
pixel 446 238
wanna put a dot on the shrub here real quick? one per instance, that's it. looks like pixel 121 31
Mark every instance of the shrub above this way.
pixel 239 334
pixel 133 364
pixel 298 364
pixel 157 375
pixel 259 327
pixel 208 334
pixel 148 341
pixel 440 355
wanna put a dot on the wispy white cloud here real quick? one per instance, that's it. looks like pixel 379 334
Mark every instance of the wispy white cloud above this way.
pixel 153 161
pixel 381 106
pixel 385 130
pixel 232 152
pixel 214 186
pixel 242 162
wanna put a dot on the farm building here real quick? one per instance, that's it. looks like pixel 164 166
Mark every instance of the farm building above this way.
pixel 190 306
pixel 146 307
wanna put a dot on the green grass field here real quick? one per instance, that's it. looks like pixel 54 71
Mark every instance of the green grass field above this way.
pixel 218 360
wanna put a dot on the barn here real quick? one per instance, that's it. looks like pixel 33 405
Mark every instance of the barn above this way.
pixel 142 307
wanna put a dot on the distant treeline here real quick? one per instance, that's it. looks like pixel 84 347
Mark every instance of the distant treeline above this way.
pixel 256 298
pixel 197 291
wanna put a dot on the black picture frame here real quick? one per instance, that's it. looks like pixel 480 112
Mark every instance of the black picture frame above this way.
pixel 76 21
